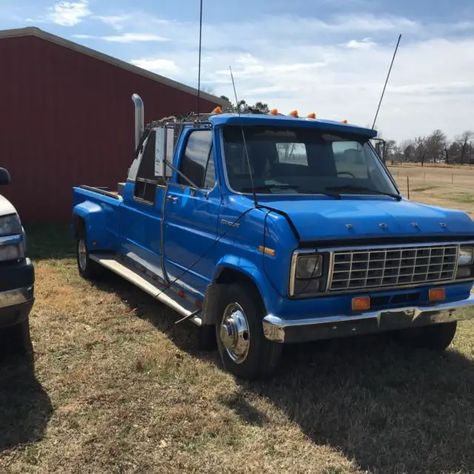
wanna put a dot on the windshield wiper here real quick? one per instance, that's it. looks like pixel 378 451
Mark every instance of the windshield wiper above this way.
pixel 269 187
pixel 351 187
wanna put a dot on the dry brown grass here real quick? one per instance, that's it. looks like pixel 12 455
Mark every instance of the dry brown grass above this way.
pixel 446 186
pixel 118 387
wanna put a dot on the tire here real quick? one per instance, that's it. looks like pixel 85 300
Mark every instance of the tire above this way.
pixel 244 350
pixel 436 337
pixel 207 338
pixel 88 269
pixel 17 339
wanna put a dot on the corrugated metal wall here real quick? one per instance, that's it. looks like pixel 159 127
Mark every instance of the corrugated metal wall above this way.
pixel 66 119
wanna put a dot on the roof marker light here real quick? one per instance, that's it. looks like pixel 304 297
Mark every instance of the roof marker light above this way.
pixel 312 115
pixel 344 121
pixel 274 112
pixel 294 113
pixel 217 110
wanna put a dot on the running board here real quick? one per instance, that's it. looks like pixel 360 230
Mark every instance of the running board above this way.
pixel 141 281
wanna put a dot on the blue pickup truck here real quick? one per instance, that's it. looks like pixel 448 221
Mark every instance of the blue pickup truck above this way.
pixel 265 229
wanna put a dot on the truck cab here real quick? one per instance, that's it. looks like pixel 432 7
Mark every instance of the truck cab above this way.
pixel 16 278
pixel 266 229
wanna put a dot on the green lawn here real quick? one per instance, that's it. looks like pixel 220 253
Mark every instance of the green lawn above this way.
pixel 118 387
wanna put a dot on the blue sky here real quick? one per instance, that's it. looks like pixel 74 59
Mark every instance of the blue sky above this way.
pixel 327 56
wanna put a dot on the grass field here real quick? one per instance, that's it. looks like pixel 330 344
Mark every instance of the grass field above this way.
pixel 118 387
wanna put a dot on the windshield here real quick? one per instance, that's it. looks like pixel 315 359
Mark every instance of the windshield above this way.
pixel 302 160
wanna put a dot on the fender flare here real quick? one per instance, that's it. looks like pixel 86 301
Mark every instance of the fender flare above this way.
pixel 248 270
pixel 92 215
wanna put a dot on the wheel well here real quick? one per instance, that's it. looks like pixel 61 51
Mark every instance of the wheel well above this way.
pixel 229 276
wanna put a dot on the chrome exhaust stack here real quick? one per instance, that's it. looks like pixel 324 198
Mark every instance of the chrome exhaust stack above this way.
pixel 139 118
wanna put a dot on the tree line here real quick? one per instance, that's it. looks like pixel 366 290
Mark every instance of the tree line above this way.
pixel 433 148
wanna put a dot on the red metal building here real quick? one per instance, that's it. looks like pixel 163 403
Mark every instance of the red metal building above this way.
pixel 67 118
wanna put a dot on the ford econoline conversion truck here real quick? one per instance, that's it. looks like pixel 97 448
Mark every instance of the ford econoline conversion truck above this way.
pixel 16 279
pixel 265 229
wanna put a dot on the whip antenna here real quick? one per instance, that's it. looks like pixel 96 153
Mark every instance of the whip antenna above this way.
pixel 199 66
pixel 386 80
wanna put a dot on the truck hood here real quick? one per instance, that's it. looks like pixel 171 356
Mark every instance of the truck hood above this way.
pixel 320 219
pixel 6 207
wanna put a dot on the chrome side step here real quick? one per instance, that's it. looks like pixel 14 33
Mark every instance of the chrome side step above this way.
pixel 144 283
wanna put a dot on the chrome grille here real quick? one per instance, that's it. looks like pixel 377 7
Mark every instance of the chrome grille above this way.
pixel 392 266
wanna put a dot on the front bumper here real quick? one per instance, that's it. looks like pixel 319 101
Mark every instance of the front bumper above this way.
pixel 16 292
pixel 312 329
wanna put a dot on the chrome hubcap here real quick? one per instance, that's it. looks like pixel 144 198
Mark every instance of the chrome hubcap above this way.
pixel 82 254
pixel 234 333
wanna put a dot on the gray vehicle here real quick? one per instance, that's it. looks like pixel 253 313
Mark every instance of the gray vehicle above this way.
pixel 16 279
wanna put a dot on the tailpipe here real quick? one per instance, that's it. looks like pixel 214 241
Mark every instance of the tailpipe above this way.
pixel 139 118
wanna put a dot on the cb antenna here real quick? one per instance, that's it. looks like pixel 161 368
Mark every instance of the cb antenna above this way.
pixel 386 80
pixel 199 65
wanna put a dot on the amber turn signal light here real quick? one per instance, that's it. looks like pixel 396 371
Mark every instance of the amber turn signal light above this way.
pixel 361 303
pixel 437 294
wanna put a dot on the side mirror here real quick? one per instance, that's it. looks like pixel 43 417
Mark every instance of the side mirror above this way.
pixel 4 176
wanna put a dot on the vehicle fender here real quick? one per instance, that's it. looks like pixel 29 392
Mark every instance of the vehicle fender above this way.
pixel 249 270
pixel 94 220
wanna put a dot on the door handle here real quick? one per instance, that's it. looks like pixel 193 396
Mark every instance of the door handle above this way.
pixel 172 198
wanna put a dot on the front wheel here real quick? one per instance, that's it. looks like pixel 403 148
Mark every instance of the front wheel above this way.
pixel 436 337
pixel 243 348
pixel 88 269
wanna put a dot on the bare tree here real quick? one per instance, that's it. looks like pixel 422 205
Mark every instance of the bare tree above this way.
pixel 434 146
pixel 465 142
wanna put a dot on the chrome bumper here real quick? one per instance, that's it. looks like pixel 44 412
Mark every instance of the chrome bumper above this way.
pixel 311 329
pixel 15 297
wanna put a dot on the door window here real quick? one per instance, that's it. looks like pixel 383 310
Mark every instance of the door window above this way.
pixel 197 163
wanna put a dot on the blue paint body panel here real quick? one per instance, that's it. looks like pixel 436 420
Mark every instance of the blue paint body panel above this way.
pixel 193 236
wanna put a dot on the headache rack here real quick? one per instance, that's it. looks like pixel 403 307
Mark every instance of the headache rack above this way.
pixel 392 266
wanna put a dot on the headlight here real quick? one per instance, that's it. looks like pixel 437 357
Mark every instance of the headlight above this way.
pixel 10 225
pixel 306 277
pixel 466 256
pixel 309 266
pixel 11 252
pixel 465 262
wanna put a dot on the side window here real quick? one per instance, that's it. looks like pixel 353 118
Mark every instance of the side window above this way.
pixel 197 163
pixel 349 159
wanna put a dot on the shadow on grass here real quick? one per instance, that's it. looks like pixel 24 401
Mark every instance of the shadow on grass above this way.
pixel 50 241
pixel 388 408
pixel 25 407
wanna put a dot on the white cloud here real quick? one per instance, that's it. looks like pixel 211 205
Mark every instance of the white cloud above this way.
pixel 124 38
pixel 365 43
pixel 114 21
pixel 69 13
pixel 158 65
pixel 133 38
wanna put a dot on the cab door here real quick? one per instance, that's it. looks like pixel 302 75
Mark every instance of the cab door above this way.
pixel 141 212
pixel 191 215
